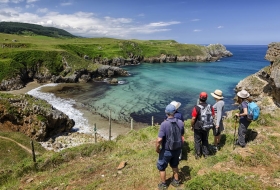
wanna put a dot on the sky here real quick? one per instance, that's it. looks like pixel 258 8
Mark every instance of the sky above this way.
pixel 228 22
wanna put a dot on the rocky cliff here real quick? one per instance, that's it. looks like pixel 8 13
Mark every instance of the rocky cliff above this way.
pixel 210 53
pixel 107 68
pixel 33 117
pixel 264 86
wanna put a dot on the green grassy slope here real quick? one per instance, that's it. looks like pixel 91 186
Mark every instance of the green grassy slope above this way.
pixel 33 29
pixel 94 166
pixel 48 51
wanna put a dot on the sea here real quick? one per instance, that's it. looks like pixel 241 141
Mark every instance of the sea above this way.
pixel 143 95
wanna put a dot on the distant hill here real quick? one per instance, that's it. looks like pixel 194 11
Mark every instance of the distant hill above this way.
pixel 33 29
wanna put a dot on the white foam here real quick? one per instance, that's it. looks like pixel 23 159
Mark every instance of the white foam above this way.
pixel 64 105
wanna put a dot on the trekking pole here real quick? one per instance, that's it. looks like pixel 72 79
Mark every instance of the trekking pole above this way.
pixel 235 118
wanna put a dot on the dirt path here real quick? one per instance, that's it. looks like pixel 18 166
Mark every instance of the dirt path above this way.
pixel 22 146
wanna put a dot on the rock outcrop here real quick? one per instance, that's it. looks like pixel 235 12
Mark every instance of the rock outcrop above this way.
pixel 264 86
pixel 33 117
pixel 273 73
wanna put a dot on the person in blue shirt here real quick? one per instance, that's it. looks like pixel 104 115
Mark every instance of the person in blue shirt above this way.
pixel 167 156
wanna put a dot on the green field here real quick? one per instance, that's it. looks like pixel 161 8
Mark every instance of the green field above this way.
pixel 20 51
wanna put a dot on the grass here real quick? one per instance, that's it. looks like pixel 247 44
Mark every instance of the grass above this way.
pixel 47 52
pixel 94 166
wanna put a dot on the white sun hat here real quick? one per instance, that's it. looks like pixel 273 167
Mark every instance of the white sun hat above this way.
pixel 176 104
pixel 243 94
pixel 217 94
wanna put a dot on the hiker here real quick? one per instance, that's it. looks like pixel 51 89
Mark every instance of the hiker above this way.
pixel 200 135
pixel 178 115
pixel 243 100
pixel 163 146
pixel 218 121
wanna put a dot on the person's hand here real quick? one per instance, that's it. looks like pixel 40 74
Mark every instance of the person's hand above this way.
pixel 158 150
pixel 236 115
pixel 217 126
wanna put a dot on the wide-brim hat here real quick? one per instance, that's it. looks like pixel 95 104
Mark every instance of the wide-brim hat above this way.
pixel 218 94
pixel 243 94
pixel 176 104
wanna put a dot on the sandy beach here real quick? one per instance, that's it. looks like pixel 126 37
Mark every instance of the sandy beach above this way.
pixel 102 124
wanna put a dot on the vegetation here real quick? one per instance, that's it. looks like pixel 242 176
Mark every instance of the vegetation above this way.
pixel 32 29
pixel 94 166
pixel 20 52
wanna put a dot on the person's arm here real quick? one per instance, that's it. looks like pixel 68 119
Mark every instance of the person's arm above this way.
pixel 158 144
pixel 219 114
pixel 194 114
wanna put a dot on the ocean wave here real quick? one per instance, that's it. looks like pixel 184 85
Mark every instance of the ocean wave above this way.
pixel 64 105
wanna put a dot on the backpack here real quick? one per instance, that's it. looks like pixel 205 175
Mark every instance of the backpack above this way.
pixel 206 119
pixel 174 141
pixel 253 111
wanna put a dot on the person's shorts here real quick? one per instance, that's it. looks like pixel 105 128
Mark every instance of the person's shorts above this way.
pixel 166 157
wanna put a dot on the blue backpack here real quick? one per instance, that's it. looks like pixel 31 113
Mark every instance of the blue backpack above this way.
pixel 253 111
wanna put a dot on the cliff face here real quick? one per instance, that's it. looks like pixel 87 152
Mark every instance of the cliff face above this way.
pixel 108 68
pixel 273 74
pixel 210 53
pixel 33 117
pixel 264 86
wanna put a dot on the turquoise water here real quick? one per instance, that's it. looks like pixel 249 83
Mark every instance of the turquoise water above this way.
pixel 152 86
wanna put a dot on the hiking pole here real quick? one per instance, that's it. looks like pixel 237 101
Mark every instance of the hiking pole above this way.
pixel 235 118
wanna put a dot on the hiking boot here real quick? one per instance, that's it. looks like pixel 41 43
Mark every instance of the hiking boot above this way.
pixel 215 148
pixel 175 183
pixel 197 156
pixel 162 186
pixel 237 143
pixel 206 156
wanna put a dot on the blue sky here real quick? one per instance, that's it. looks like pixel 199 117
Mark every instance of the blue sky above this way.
pixel 236 22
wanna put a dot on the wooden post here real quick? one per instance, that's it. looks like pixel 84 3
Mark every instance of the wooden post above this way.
pixel 131 124
pixel 110 125
pixel 152 120
pixel 95 133
pixel 33 152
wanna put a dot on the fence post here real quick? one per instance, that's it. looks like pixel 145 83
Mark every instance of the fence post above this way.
pixel 131 124
pixel 33 152
pixel 152 120
pixel 95 133
pixel 110 125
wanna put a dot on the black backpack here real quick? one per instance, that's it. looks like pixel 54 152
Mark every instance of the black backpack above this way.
pixel 206 119
pixel 174 141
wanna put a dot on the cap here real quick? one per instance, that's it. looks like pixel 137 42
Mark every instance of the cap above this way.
pixel 170 109
pixel 203 96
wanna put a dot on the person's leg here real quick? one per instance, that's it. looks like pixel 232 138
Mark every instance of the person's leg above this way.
pixel 242 130
pixel 197 142
pixel 174 162
pixel 162 163
pixel 176 173
pixel 162 176
pixel 205 143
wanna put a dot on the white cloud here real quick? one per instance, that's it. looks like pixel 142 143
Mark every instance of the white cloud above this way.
pixel 195 20
pixel 66 4
pixel 85 24
pixel 31 1
pixel 29 6
pixel 44 10
pixel 4 1
pixel 16 1
pixel 197 30
pixel 220 27
pixel 159 24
